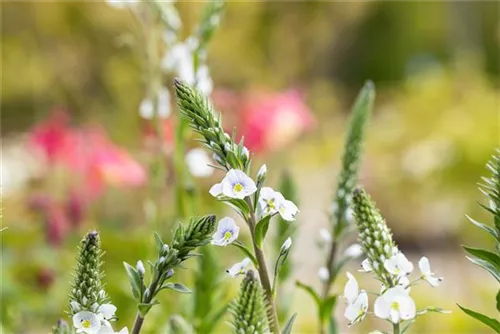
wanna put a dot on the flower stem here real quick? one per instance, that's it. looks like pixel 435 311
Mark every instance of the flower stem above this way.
pixel 139 319
pixel 396 328
pixel 328 283
pixel 263 273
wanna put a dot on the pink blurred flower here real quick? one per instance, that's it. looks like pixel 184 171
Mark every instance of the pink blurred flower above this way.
pixel 75 208
pixel 271 121
pixel 56 225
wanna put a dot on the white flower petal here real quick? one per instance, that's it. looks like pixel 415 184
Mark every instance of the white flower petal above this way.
pixel 424 265
pixel 325 235
pixel 351 289
pixel 367 267
pixel 86 322
pixel 353 251
pixel 107 311
pixel 237 268
pixel 216 190
pixel 288 210
pixel 407 308
pixel 381 308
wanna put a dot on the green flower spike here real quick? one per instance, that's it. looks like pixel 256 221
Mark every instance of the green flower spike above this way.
pixel 375 236
pixel 87 289
pixel 249 309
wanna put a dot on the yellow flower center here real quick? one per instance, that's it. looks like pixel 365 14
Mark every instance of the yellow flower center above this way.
pixel 227 235
pixel 86 323
pixel 237 187
pixel 395 306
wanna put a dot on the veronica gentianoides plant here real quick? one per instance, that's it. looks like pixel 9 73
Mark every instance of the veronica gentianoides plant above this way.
pixel 390 267
pixel 185 240
pixel 333 240
pixel 486 259
pixel 251 200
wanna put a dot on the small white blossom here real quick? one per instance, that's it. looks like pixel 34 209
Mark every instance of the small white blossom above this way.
pixel 238 268
pixel 366 266
pixel 288 210
pixel 216 190
pixel 323 274
pixel 227 232
pixel 351 289
pixel 356 311
pixel 86 322
pixel 269 201
pixel 398 265
pixel 140 268
pixel 237 184
pixel 286 245
pixel 425 270
pixel 395 305
pixel 146 108
pixel 325 236
pixel 353 251
pixel 197 161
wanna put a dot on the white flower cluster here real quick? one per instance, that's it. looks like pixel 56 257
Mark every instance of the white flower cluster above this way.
pixel 394 303
pixel 237 185
pixel 96 320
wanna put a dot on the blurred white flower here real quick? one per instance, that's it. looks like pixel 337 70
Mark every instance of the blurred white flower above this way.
pixel 197 161
pixel 121 3
pixel 353 251
pixel 325 236
pixel 398 265
pixel 356 311
pixel 395 305
pixel 323 274
pixel 86 322
pixel 238 268
pixel 146 108
pixel 227 232
pixel 425 270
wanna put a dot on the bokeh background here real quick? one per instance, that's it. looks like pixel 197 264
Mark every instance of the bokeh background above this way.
pixel 78 67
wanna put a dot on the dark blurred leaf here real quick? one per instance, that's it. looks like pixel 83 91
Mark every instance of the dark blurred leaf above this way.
pixel 289 325
pixel 492 323
pixel 485 259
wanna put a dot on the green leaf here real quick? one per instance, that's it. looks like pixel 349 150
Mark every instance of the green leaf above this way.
pixel 289 325
pixel 310 291
pixel 492 323
pixel 326 307
pixel 485 227
pixel 177 287
pixel 488 260
pixel 239 205
pixel 144 307
pixel 135 281
pixel 332 325
pixel 433 309
pixel 261 230
pixel 498 301
pixel 246 251
pixel 159 243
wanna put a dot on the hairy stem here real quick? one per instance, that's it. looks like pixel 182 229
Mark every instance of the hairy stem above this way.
pixel 263 274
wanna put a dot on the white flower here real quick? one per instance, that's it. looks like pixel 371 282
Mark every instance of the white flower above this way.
pixel 325 236
pixel 86 322
pixel 109 330
pixel 323 274
pixel 197 161
pixel 353 251
pixel 396 305
pixel 398 265
pixel 216 190
pixel 204 82
pixel 351 289
pixel 269 201
pixel 140 268
pixel 121 3
pixel 237 184
pixel 425 270
pixel 288 210
pixel 237 269
pixel 367 267
pixel 146 108
pixel 227 232
pixel 356 310
pixel 286 245
pixel 107 311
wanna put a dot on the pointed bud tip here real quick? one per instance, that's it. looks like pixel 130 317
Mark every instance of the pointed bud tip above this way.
pixel 177 82
pixel 358 191
pixel 369 84
pixel 250 274
pixel 93 235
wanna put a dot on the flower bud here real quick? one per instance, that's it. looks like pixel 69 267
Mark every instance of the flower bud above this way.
pixel 165 249
pixel 140 268
pixel 170 273
pixel 262 174
pixel 286 245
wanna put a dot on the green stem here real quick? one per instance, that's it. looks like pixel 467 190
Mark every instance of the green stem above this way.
pixel 396 329
pixel 263 273
pixel 139 319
